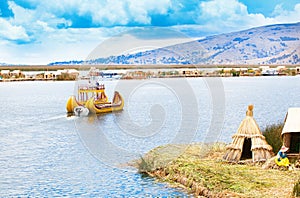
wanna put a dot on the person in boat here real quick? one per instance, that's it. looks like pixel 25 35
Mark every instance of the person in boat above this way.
pixel 281 158
pixel 90 84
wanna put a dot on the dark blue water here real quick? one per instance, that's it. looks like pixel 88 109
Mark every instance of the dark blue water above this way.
pixel 44 153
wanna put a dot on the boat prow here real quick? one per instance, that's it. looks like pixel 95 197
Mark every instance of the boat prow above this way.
pixel 116 105
pixel 72 103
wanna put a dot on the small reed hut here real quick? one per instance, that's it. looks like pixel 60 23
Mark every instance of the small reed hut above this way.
pixel 248 142
pixel 291 131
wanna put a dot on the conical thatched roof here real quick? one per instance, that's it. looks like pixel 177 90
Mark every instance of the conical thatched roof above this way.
pixel 258 146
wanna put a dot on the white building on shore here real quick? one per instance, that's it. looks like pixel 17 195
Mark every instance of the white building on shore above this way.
pixel 5 73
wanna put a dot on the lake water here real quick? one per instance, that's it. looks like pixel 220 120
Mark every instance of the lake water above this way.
pixel 44 153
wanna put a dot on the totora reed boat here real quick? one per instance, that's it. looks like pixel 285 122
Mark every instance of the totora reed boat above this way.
pixel 93 98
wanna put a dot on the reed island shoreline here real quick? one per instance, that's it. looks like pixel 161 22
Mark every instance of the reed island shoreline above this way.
pixel 247 167
pixel 200 170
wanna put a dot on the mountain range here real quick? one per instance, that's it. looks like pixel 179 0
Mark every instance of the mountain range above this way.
pixel 277 44
pixel 272 44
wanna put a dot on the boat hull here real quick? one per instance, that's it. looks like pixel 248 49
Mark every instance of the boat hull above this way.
pixel 116 105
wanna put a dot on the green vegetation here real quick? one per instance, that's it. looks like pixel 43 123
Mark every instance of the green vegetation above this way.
pixel 235 73
pixel 296 189
pixel 273 136
pixel 145 166
pixel 199 169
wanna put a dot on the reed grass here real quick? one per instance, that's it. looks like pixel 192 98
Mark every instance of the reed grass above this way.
pixel 200 170
pixel 273 135
pixel 296 189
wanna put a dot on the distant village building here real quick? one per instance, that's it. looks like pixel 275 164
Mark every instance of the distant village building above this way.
pixel 5 73
pixel 72 71
pixel 227 69
pixel 49 75
pixel 66 74
pixel 16 74
pixel 280 68
pixel 241 69
pixel 31 74
pixel 94 72
pixel 189 72
pixel 264 67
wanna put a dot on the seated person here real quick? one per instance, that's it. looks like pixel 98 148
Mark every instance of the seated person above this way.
pixel 281 158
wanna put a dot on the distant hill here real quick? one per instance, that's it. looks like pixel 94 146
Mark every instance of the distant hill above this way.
pixel 272 44
pixel 4 64
pixel 72 62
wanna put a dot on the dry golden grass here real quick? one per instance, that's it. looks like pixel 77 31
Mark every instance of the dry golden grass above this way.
pixel 201 170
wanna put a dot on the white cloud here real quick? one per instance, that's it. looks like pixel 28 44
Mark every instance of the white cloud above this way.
pixel 285 16
pixel 121 12
pixel 140 11
pixel 54 44
pixel 213 16
pixel 103 13
pixel 57 45
pixel 31 19
pixel 12 32
pixel 21 15
pixel 232 15
pixel 44 26
pixel 222 9
pixel 112 13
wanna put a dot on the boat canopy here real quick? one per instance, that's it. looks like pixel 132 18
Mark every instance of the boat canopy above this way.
pixel 91 88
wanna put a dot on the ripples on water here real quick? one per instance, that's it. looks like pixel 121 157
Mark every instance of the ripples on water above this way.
pixel 43 155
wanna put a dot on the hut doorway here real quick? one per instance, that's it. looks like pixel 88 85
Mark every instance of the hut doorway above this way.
pixel 247 153
pixel 295 143
pixel 291 131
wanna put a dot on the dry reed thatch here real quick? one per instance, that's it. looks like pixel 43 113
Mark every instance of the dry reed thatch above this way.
pixel 248 142
pixel 291 131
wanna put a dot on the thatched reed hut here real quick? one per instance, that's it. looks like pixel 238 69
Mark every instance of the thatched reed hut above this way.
pixel 291 131
pixel 248 142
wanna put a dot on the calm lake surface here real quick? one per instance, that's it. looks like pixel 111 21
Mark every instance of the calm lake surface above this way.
pixel 45 153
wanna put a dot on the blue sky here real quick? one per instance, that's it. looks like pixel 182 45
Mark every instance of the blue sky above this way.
pixel 39 32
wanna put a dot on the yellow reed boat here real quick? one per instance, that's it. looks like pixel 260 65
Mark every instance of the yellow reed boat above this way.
pixel 94 94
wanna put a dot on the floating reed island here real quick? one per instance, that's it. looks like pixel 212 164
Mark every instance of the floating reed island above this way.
pixel 226 170
pixel 201 171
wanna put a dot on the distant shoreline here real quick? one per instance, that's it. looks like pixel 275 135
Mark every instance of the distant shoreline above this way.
pixel 30 79
pixel 71 72
pixel 119 67
pixel 42 79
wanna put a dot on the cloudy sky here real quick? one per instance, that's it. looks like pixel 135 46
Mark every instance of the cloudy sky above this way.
pixel 40 32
